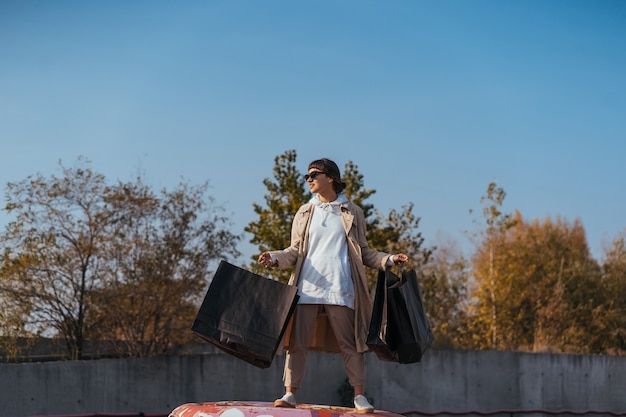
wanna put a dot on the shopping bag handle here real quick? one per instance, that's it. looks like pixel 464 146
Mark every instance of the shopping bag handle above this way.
pixel 401 279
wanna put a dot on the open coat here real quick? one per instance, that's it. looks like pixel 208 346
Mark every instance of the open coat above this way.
pixel 360 255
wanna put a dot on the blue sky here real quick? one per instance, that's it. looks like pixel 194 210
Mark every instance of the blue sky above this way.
pixel 432 100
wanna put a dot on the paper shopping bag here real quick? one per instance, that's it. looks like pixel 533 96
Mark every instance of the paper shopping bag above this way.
pixel 399 329
pixel 245 314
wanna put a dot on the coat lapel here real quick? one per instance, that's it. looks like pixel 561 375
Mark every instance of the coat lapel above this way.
pixel 346 218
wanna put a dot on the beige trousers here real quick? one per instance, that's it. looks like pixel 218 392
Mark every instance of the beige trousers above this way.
pixel 341 319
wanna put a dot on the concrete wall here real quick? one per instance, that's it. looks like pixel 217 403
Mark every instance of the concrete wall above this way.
pixel 444 380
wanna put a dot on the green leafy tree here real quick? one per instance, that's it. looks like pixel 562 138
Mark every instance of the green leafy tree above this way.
pixel 357 193
pixel 396 233
pixel 285 195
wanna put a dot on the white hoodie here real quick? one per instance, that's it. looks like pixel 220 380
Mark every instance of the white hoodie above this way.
pixel 325 277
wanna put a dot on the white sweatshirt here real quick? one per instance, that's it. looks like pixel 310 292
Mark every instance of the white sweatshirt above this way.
pixel 325 277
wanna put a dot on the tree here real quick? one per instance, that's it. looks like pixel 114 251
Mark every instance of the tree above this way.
pixel 52 260
pixel 83 256
pixel 396 233
pixel 12 330
pixel 356 192
pixel 285 195
pixel 546 287
pixel 159 260
pixel 497 225
pixel 443 283
pixel 613 321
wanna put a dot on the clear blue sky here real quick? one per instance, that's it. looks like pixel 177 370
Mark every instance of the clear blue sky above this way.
pixel 431 100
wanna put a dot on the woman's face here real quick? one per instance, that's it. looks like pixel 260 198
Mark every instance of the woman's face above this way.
pixel 319 182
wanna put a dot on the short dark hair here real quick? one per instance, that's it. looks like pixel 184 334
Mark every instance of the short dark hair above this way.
pixel 331 169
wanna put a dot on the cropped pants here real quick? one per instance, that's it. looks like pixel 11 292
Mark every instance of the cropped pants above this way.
pixel 341 319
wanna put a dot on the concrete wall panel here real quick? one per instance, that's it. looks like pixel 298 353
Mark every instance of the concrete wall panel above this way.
pixel 445 380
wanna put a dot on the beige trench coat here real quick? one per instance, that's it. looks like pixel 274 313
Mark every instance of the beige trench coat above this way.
pixel 360 254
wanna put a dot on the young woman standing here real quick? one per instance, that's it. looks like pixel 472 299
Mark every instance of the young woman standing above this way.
pixel 329 252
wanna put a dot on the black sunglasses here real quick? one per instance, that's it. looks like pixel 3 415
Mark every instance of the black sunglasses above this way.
pixel 313 175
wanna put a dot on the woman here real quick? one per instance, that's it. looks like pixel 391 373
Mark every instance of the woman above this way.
pixel 328 251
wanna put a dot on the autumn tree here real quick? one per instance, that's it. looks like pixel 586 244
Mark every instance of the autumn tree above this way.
pixel 613 319
pixel 444 284
pixel 159 260
pixel 52 263
pixel 13 332
pixel 82 255
pixel 546 284
pixel 497 223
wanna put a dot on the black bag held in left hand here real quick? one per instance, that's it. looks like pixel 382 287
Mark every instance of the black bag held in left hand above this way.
pixel 399 330
pixel 245 314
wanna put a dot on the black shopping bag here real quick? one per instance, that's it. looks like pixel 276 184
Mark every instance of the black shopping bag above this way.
pixel 399 329
pixel 245 314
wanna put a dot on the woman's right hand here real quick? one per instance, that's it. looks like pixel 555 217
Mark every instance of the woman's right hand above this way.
pixel 266 259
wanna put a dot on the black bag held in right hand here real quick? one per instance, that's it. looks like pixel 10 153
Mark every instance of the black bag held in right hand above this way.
pixel 245 314
pixel 399 330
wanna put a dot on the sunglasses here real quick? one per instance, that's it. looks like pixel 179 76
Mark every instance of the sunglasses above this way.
pixel 313 175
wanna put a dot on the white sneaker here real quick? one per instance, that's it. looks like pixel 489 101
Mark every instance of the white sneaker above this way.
pixel 361 405
pixel 288 400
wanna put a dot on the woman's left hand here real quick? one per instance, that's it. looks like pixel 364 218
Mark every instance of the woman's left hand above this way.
pixel 399 258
